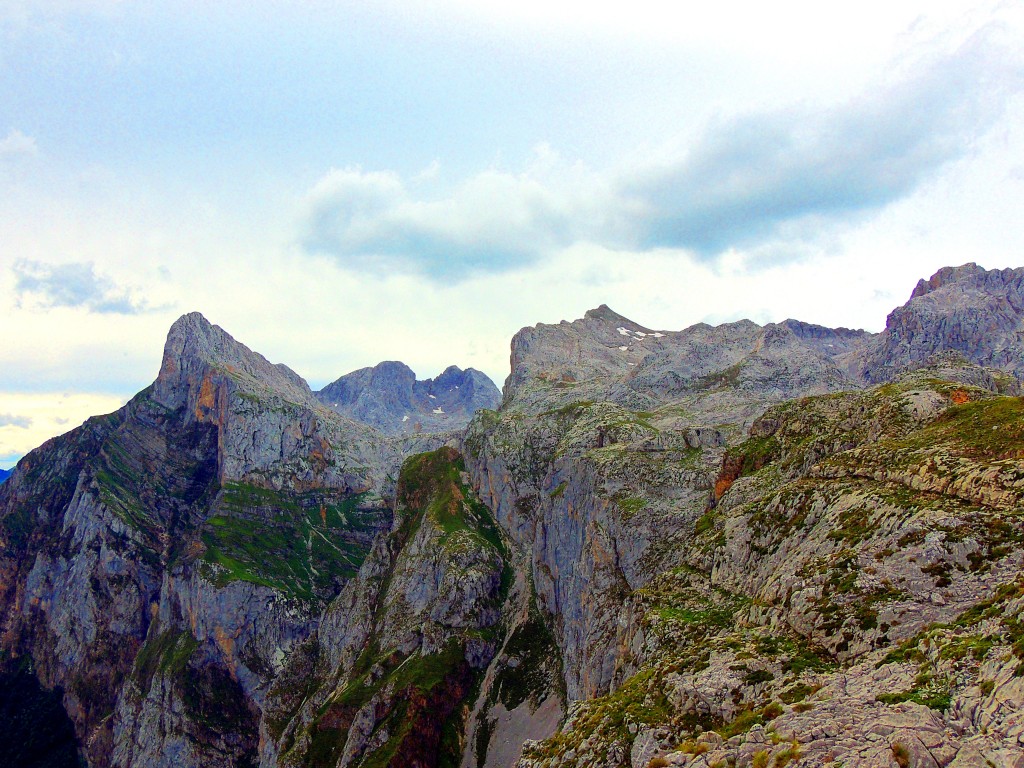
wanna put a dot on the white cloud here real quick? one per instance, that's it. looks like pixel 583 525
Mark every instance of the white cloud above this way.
pixel 745 176
pixel 492 221
pixel 74 285
pixel 747 180
pixel 17 144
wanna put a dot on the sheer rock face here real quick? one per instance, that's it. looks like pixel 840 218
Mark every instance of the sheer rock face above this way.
pixel 398 654
pixel 270 425
pixel 973 312
pixel 159 564
pixel 389 397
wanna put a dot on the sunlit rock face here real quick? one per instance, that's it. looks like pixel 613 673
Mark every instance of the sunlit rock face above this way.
pixel 975 313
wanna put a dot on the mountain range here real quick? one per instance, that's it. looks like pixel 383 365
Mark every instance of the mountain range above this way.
pixel 736 545
pixel 389 397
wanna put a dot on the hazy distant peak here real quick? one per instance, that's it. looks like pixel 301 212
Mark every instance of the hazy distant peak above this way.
pixel 389 397
pixel 604 312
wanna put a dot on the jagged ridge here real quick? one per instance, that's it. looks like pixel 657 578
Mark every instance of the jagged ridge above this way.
pixel 389 397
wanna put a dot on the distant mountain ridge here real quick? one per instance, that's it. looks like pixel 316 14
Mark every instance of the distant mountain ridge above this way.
pixel 4 474
pixel 388 397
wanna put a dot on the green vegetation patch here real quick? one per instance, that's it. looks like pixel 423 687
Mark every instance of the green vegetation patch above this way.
pixel 684 598
pixel 431 483
pixel 628 505
pixel 936 697
pixel 640 700
pixel 303 544
pixel 750 456
pixel 955 643
pixel 417 681
pixel 168 653
pixel 537 670
pixel 984 429
pixel 748 718
pixel 726 378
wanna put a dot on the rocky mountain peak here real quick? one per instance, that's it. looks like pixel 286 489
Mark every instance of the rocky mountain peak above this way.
pixel 388 397
pixel 606 314
pixel 195 348
pixel 969 310
pixel 945 276
pixel 602 345
pixel 692 548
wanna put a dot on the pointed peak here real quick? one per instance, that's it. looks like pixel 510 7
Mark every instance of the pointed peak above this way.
pixel 195 348
pixel 191 321
pixel 604 312
pixel 192 334
pixel 194 337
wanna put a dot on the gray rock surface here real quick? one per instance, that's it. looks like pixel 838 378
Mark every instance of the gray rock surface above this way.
pixel 969 310
pixel 150 564
pixel 400 651
pixel 389 397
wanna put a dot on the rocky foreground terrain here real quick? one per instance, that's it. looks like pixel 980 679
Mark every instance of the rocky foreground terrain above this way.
pixel 742 545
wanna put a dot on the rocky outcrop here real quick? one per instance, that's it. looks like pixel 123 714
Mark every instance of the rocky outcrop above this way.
pixel 389 398
pixel 388 676
pixel 974 312
pixel 854 588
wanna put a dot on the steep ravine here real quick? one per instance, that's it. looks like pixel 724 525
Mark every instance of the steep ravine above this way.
pixel 391 675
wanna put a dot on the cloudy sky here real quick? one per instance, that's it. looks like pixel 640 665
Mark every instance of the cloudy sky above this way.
pixel 341 183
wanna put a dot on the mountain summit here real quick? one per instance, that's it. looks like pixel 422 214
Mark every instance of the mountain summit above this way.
pixel 195 349
pixel 388 397
pixel 973 312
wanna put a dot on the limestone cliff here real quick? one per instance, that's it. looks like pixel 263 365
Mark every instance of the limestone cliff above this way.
pixel 976 313
pixel 160 563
